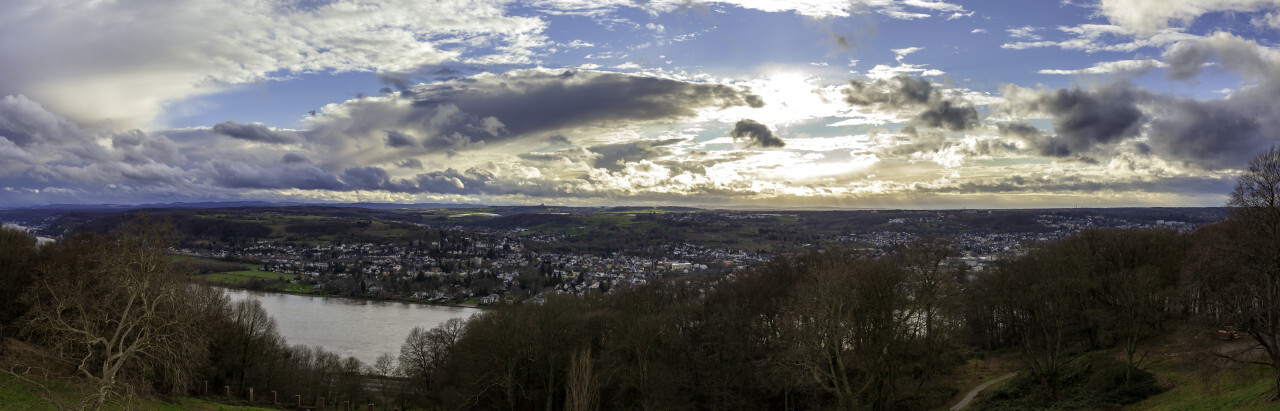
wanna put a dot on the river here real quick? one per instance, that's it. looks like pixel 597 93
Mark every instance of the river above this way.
pixel 349 327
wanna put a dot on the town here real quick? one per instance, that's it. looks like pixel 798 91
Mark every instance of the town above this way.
pixel 519 254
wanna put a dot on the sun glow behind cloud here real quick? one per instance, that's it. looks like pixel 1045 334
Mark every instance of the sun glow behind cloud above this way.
pixel 716 103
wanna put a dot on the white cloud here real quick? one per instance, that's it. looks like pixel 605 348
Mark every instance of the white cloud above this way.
pixel 1149 17
pixel 1093 38
pixel 1025 32
pixel 1111 67
pixel 1270 20
pixel 120 63
pixel 902 53
pixel 884 72
pixel 898 9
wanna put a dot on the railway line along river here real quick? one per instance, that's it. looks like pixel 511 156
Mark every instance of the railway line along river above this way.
pixel 349 327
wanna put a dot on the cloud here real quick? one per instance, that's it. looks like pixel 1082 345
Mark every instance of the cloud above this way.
pixel 558 139
pixel 254 132
pixel 1133 67
pixel 1147 17
pixel 1204 134
pixel 294 158
pixel 755 134
pixel 1083 119
pixel 1215 134
pixel 1095 38
pixel 904 92
pixel 487 109
pixel 397 139
pixel 614 157
pixel 251 176
pixel 896 9
pixel 1187 59
pixel 900 91
pixel 410 163
pixel 1269 21
pixel 949 115
pixel 1221 133
pixel 142 56
pixel 1025 33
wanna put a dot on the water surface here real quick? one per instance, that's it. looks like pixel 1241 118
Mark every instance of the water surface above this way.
pixel 349 327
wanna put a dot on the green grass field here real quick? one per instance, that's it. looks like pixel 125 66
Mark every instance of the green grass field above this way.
pixel 298 289
pixel 249 272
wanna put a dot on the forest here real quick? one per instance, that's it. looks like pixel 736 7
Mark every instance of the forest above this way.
pixel 838 328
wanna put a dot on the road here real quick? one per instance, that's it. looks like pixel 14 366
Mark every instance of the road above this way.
pixel 974 393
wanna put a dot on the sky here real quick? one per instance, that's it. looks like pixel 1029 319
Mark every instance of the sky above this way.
pixel 737 103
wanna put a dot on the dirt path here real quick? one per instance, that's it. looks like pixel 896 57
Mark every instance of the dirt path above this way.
pixel 974 393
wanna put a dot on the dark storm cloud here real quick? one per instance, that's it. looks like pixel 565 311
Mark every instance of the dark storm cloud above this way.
pixel 1019 130
pixel 400 81
pixel 254 132
pixel 1084 118
pixel 1217 133
pixel 904 92
pixel 410 163
pixel 558 139
pixel 755 134
pixel 397 139
pixel 898 92
pixel 948 115
pixel 1222 133
pixel 1209 134
pixel 241 175
pixel 294 158
pixel 614 157
pixel 28 125
pixel 373 178
pixel 451 181
pixel 494 108
pixel 1079 184
pixel 448 181
pixel 136 147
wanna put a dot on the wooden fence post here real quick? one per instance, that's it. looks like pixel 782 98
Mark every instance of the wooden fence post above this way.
pixel 226 390
pixel 274 399
pixel 298 400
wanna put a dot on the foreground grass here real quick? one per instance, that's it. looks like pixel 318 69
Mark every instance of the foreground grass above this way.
pixel 33 393
pixel 1246 388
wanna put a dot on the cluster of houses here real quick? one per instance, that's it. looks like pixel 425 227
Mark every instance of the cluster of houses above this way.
pixel 488 266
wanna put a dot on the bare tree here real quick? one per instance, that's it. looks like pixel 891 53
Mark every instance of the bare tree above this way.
pixel 933 285
pixel 17 255
pixel 582 388
pixel 425 351
pixel 851 320
pixel 253 335
pixel 115 305
pixel 1253 300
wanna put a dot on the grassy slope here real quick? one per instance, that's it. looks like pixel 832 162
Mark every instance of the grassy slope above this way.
pixel 1201 382
pixel 32 394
